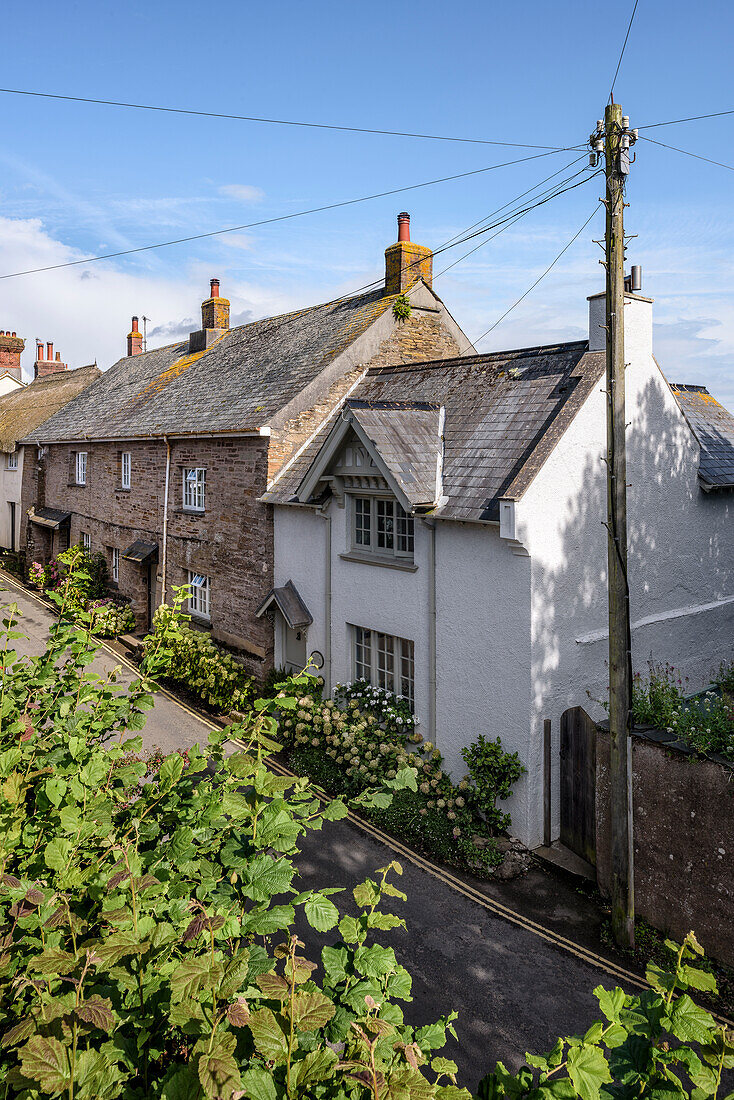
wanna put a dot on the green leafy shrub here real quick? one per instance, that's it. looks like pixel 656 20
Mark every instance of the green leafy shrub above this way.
pixel 401 308
pixel 656 1044
pixel 492 773
pixel 147 910
pixel 705 722
pixel 192 659
pixel 725 677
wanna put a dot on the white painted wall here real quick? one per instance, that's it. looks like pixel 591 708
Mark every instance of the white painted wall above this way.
pixel 9 384
pixel 10 483
pixel 681 549
pixel 483 612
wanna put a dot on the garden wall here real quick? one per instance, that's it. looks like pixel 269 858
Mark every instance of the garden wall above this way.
pixel 683 808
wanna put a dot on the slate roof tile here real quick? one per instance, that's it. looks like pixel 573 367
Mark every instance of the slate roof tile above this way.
pixel 713 427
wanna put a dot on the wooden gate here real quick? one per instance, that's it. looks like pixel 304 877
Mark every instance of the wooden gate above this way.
pixel 578 783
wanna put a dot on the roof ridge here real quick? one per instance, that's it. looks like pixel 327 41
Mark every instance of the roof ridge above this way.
pixel 484 357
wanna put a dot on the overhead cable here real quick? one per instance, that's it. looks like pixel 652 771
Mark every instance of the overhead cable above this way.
pixel 269 121
pixel 539 279
pixel 270 221
pixel 697 156
pixel 624 47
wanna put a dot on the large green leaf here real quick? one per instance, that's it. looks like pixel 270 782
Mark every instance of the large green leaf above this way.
pixel 56 853
pixel 264 876
pixel 374 961
pixel 46 1061
pixel 258 1084
pixel 317 1066
pixel 610 1001
pixel 321 913
pixel 269 1034
pixel 183 1084
pixel 171 770
pixel 191 974
pixel 690 1023
pixel 218 1071
pixel 589 1070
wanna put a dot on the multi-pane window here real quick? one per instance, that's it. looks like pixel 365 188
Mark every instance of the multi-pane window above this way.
pixel 13 461
pixel 81 468
pixel 125 470
pixel 115 564
pixel 86 540
pixel 194 484
pixel 385 660
pixel 382 527
pixel 200 598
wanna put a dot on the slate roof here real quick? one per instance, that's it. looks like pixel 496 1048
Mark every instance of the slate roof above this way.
pixel 713 427
pixel 504 413
pixel 406 436
pixel 236 384
pixel 288 601
pixel 23 410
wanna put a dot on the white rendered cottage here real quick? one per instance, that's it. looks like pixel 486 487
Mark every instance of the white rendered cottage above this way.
pixel 443 534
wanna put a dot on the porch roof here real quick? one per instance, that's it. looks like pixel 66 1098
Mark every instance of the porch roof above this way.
pixel 49 517
pixel 290 605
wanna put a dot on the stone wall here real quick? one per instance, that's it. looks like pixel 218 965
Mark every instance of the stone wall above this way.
pixel 683 808
pixel 231 541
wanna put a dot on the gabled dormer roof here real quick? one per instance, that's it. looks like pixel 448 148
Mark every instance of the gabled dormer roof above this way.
pixel 402 438
pixel 504 413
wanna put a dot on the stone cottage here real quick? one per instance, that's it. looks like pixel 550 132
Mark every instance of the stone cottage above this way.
pixel 163 462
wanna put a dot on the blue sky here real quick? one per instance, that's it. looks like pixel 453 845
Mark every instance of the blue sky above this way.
pixel 77 179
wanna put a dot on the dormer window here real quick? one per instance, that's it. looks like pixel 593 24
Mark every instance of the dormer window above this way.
pixel 382 528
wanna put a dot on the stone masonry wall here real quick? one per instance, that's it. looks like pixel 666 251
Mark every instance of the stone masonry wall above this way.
pixel 683 813
pixel 231 541
pixel 420 337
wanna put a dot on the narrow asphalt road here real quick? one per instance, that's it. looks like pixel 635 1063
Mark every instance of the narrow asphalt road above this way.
pixel 513 990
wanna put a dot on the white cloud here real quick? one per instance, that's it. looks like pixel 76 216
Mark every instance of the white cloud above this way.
pixel 243 192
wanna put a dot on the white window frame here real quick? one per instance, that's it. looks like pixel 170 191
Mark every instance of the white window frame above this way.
pixel 87 541
pixel 200 600
pixel 381 527
pixel 125 467
pixel 115 564
pixel 81 468
pixel 384 660
pixel 12 460
pixel 194 489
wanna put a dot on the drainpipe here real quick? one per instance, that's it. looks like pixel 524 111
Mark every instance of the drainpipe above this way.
pixel 165 518
pixel 432 631
pixel 327 604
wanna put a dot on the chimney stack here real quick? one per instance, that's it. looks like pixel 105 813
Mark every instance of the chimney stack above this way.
pixel 405 262
pixel 11 349
pixel 134 339
pixel 214 319
pixel 51 364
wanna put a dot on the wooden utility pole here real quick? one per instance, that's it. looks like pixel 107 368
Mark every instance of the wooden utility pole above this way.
pixel 617 137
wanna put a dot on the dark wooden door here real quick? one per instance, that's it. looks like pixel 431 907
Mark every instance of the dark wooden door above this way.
pixel 578 783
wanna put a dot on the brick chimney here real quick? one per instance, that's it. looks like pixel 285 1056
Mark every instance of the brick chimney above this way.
pixel 134 339
pixel 49 364
pixel 214 319
pixel 406 262
pixel 11 348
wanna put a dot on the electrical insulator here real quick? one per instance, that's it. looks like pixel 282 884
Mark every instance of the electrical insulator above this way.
pixel 593 160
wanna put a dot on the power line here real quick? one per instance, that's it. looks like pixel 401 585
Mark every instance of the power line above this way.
pixel 692 118
pixel 698 156
pixel 269 121
pixel 279 218
pixel 465 235
pixel 539 279
pixel 556 192
pixel 624 47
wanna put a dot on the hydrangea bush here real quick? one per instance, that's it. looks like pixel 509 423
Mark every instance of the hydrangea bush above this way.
pixel 111 618
pixel 193 660
pixel 366 734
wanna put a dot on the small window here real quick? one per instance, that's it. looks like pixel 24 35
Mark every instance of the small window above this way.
pixel 386 661
pixel 125 470
pixel 86 540
pixel 13 461
pixel 200 599
pixel 194 483
pixel 115 564
pixel 382 527
pixel 81 468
